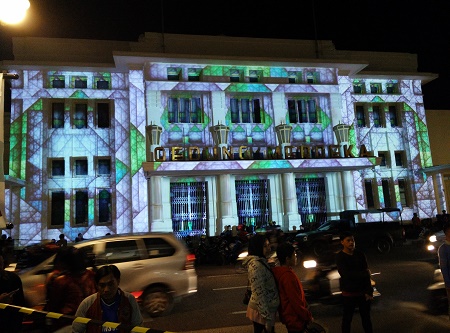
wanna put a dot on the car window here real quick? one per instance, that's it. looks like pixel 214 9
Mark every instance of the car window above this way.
pixel 158 247
pixel 118 251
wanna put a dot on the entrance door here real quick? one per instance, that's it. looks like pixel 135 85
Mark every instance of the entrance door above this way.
pixel 189 208
pixel 311 201
pixel 253 204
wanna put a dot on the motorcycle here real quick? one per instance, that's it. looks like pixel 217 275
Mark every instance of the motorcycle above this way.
pixel 321 282
pixel 320 279
pixel 437 295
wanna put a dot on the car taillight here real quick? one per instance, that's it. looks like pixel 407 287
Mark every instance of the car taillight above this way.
pixel 190 261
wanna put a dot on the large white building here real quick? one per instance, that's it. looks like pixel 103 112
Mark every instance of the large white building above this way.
pixel 191 133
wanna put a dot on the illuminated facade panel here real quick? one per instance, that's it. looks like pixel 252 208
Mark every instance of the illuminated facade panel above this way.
pixel 78 138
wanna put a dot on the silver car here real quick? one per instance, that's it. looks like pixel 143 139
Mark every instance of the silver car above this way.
pixel 156 267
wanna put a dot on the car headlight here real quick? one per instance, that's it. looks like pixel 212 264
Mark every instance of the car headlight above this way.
pixel 431 247
pixel 432 239
pixel 309 263
pixel 305 238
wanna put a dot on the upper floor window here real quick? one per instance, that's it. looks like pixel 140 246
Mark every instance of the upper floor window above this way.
pixel 194 74
pixel 312 77
pixel 57 208
pixel 370 197
pixel 384 158
pixel 80 115
pixel 103 166
pixel 386 187
pixel 81 208
pixel 58 81
pixel 245 110
pixel 392 88
pixel 57 167
pixel 173 74
pixel 80 166
pixel 101 83
pixel 393 116
pixel 58 115
pixel 399 158
pixel 104 206
pixel 254 76
pixel 302 111
pixel 360 116
pixel 403 192
pixel 235 75
pixel 375 88
pixel 185 110
pixel 294 77
pixel 377 116
pixel 358 87
pixel 103 118
pixel 79 82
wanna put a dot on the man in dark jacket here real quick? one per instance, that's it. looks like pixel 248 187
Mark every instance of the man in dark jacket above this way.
pixel 356 287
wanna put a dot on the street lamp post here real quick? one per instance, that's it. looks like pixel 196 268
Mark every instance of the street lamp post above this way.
pixel 3 76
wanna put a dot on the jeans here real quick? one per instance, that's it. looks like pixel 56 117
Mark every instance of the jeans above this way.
pixel 350 304
pixel 448 297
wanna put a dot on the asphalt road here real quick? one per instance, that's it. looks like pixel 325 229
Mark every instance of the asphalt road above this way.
pixel 404 276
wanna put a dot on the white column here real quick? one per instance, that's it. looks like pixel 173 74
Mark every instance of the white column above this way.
pixel 348 190
pixel 226 202
pixel 291 215
pixel 156 205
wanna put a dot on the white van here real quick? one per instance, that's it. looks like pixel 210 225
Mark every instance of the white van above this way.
pixel 156 267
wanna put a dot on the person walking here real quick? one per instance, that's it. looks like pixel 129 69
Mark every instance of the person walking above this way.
pixel 110 303
pixel 264 301
pixel 67 285
pixel 356 286
pixel 11 292
pixel 444 262
pixel 293 311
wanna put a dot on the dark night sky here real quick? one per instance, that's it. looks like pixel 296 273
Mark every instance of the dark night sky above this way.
pixel 383 25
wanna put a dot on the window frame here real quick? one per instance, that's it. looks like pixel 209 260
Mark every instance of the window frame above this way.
pixel 57 78
pixel 84 209
pixel 375 88
pixel 396 114
pixel 400 156
pixel 386 189
pixel 378 116
pixel 97 160
pixel 360 121
pixel 56 119
pixel 98 114
pixel 173 73
pixel 74 161
pixel 51 169
pixel 303 113
pixel 79 78
pixel 56 205
pixel 369 183
pixel 99 80
pixel 184 113
pixel 98 208
pixel 80 117
pixel 384 158
pixel 404 197
pixel 249 109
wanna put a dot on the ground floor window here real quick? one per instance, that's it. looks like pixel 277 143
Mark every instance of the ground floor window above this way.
pixel 253 203
pixel 189 208
pixel 311 201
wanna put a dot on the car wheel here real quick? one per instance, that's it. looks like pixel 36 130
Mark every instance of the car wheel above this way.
pixel 320 248
pixel 157 301
pixel 383 245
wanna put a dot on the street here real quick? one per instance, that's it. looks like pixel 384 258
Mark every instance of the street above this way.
pixel 404 276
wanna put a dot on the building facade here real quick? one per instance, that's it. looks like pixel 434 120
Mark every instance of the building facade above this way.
pixel 192 133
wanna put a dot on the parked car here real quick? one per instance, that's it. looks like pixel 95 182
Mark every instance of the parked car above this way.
pixel 381 235
pixel 156 267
